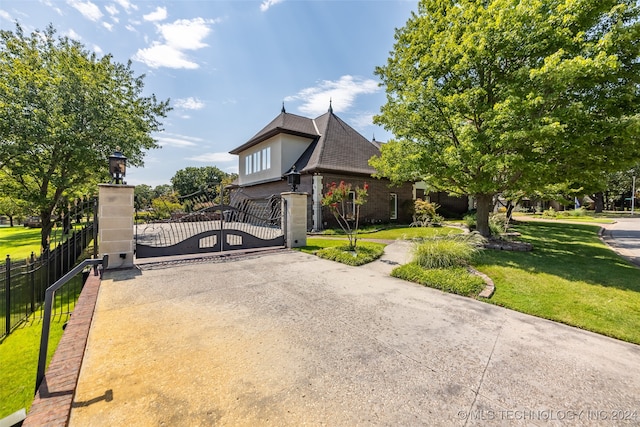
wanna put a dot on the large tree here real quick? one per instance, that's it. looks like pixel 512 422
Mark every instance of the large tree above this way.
pixel 63 111
pixel 192 179
pixel 486 97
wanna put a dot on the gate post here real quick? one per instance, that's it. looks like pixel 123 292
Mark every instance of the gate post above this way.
pixel 115 224
pixel 294 219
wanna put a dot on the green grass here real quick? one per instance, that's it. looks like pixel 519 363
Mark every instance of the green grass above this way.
pixel 569 277
pixel 456 280
pixel 19 242
pixel 394 233
pixel 589 217
pixel 443 253
pixel 19 361
pixel 337 250
pixel 365 253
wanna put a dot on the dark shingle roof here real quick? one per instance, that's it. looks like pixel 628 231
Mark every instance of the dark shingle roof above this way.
pixel 336 146
pixel 340 148
pixel 284 123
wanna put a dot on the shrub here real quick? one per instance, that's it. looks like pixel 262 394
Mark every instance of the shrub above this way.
pixel 470 221
pixel 551 213
pixel 576 212
pixel 444 252
pixel 455 280
pixel 425 214
pixel 344 254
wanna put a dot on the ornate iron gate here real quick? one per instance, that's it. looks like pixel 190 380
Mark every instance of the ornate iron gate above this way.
pixel 211 220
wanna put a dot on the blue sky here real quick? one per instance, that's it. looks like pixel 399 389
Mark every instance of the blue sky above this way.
pixel 227 66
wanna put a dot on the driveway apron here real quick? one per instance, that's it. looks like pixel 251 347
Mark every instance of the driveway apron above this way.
pixel 290 339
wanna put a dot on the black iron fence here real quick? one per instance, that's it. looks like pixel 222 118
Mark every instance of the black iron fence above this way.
pixel 23 282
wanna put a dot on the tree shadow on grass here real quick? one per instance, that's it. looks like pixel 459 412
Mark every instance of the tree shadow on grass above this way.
pixel 570 251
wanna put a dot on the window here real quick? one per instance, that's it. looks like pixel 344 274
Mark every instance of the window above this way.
pixel 393 206
pixel 247 165
pixel 256 161
pixel 350 208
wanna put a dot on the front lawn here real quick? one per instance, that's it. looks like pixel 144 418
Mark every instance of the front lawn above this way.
pixel 19 242
pixel 570 277
pixel 19 361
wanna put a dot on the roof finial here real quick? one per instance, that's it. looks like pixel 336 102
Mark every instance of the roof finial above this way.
pixel 374 137
pixel 283 110
pixel 330 107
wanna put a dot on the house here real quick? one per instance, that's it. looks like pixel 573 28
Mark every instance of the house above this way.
pixel 323 150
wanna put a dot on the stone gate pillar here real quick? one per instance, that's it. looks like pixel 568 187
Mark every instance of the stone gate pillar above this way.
pixel 294 218
pixel 115 224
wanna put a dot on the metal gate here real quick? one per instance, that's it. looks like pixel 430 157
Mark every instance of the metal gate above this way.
pixel 211 220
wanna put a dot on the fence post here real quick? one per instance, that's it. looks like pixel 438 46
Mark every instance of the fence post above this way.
pixel 32 281
pixel 294 221
pixel 116 224
pixel 7 294
pixel 94 228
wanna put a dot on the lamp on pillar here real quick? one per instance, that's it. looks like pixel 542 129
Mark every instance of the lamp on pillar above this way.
pixel 117 166
pixel 293 178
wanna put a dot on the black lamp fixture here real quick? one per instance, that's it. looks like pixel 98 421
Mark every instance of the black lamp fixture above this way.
pixel 117 166
pixel 293 178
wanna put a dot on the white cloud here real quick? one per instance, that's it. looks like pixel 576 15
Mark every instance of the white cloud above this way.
pixel 160 14
pixel 179 36
pixel 131 28
pixel 5 15
pixel 214 158
pixel 190 103
pixel 362 120
pixel 97 49
pixel 126 5
pixel 111 9
pixel 162 55
pixel 54 7
pixel 342 92
pixel 107 26
pixel 87 9
pixel 173 140
pixel 73 35
pixel 266 4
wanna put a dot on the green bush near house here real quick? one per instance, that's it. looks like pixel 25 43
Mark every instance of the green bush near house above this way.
pixel 455 280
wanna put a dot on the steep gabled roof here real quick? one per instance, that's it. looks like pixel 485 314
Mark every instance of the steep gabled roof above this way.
pixel 284 123
pixel 340 148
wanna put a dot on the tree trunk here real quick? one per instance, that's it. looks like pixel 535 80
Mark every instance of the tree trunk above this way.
pixel 10 220
pixel 45 231
pixel 484 204
pixel 599 196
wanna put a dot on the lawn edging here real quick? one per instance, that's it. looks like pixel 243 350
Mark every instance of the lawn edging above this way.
pixel 54 398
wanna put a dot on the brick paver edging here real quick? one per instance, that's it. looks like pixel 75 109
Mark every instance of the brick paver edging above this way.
pixel 52 403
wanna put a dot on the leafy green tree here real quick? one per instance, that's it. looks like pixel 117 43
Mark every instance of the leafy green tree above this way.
pixel 486 97
pixel 162 190
pixel 192 179
pixel 63 111
pixel 143 195
pixel 12 208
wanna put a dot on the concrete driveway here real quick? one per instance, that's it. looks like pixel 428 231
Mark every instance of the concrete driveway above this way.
pixel 286 338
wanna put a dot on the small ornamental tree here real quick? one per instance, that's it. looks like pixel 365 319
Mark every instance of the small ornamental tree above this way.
pixel 344 203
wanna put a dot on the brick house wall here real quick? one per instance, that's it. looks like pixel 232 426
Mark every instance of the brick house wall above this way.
pixel 375 211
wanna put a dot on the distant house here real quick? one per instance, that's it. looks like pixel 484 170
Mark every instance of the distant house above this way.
pixel 324 150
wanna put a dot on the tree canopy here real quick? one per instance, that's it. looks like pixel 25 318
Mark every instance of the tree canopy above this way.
pixel 63 111
pixel 191 179
pixel 504 95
